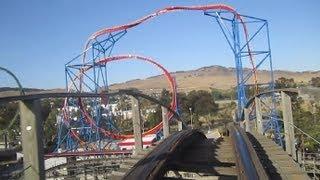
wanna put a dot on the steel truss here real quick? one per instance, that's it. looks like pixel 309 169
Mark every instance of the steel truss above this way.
pixel 255 36
pixel 92 81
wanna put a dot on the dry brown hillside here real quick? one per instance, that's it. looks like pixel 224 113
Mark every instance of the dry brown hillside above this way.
pixel 203 78
pixel 208 77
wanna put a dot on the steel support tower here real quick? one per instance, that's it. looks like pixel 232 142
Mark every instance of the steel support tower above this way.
pixel 249 39
pixel 89 81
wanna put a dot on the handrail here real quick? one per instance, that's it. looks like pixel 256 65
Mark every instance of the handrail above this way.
pixel 299 129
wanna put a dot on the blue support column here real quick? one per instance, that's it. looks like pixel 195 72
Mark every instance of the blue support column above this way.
pixel 242 100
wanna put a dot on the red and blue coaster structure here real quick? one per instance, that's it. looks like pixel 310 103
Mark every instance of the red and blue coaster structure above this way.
pixel 247 36
pixel 79 131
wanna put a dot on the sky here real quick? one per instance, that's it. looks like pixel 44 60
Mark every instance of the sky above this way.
pixel 37 38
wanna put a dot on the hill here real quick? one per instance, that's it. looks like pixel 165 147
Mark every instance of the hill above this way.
pixel 204 78
pixel 11 91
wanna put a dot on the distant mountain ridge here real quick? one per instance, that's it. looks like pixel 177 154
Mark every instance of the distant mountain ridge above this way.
pixel 2 89
pixel 12 91
pixel 204 78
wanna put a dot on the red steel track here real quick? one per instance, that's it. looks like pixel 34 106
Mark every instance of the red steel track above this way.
pixel 166 10
pixel 166 73
pixel 153 130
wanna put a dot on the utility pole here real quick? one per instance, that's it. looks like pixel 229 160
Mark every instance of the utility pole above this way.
pixel 190 109
pixel 6 140
pixel 314 112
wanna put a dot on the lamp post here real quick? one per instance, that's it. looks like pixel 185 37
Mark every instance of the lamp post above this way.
pixel 190 109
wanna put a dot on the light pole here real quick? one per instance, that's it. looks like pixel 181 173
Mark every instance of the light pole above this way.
pixel 190 109
pixel 314 112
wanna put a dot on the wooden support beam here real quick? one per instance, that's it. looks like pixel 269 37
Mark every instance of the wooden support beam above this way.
pixel 288 124
pixel 259 122
pixel 32 143
pixel 165 122
pixel 247 121
pixel 180 126
pixel 137 125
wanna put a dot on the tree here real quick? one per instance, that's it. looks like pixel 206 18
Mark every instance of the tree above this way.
pixel 182 101
pixel 50 129
pixel 201 102
pixel 154 118
pixel 306 121
pixel 218 94
pixel 165 97
pixel 250 91
pixel 283 82
pixel 7 112
pixel 7 125
pixel 123 104
pixel 315 82
pixel 49 113
pixel 125 125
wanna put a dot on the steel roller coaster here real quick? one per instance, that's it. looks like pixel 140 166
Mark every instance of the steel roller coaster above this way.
pixel 89 73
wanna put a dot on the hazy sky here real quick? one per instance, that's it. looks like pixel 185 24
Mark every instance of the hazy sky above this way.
pixel 39 37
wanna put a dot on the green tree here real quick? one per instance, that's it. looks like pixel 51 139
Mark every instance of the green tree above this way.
pixel 49 113
pixel 306 121
pixel 218 94
pixel 125 125
pixel 154 118
pixel 123 103
pixel 201 102
pixel 165 97
pixel 7 112
pixel 50 130
pixel 315 82
pixel 283 82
